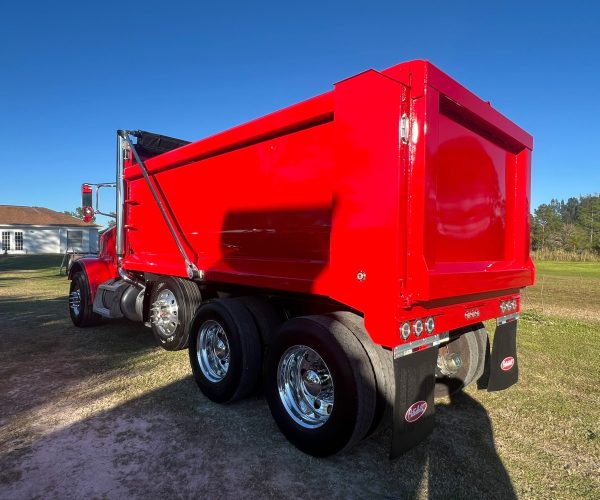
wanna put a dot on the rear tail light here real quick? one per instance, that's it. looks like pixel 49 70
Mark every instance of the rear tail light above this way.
pixel 429 325
pixel 405 330
pixel 418 327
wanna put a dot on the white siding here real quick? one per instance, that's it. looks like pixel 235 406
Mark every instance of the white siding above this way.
pixel 39 239
pixel 63 240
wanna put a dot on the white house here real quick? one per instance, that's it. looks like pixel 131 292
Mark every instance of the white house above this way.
pixel 36 230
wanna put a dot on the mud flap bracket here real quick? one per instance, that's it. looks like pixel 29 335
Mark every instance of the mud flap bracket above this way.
pixel 414 408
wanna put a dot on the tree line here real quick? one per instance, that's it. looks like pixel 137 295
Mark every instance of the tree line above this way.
pixel 572 225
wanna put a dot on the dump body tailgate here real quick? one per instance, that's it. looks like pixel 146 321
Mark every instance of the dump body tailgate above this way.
pixel 468 203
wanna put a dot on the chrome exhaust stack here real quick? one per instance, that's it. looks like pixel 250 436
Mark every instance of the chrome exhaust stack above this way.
pixel 122 146
pixel 120 188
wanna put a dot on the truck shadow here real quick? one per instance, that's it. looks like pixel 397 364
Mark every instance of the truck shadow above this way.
pixel 460 458
pixel 43 355
pixel 173 441
pixel 67 430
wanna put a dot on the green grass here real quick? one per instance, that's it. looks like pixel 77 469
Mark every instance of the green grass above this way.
pixel 29 262
pixel 553 422
pixel 566 289
pixel 108 391
pixel 569 269
pixel 547 425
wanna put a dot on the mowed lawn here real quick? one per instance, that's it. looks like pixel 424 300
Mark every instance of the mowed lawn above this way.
pixel 102 412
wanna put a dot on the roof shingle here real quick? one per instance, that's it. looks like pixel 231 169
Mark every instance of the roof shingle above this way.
pixel 38 216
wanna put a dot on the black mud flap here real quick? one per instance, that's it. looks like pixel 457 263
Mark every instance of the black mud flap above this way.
pixel 503 367
pixel 414 409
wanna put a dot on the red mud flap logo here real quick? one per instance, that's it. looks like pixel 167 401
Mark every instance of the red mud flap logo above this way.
pixel 415 411
pixel 507 363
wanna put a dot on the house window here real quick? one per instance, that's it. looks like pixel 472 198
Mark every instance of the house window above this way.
pixel 5 240
pixel 75 241
pixel 18 240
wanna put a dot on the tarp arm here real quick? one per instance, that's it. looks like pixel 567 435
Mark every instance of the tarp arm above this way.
pixel 125 139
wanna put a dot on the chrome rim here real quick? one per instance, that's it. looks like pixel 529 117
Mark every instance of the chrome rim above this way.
pixel 305 386
pixel 75 301
pixel 164 313
pixel 213 351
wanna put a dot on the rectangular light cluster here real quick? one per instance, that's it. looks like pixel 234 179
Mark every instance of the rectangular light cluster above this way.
pixel 508 306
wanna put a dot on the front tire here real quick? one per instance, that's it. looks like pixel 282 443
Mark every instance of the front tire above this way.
pixel 320 385
pixel 80 302
pixel 173 302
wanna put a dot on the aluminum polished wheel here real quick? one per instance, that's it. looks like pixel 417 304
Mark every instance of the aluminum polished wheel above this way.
pixel 164 313
pixel 213 351
pixel 305 386
pixel 75 301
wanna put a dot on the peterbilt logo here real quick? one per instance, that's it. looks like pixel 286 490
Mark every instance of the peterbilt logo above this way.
pixel 415 411
pixel 507 363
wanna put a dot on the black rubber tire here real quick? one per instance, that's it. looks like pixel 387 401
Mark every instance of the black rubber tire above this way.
pixel 481 336
pixel 354 385
pixel 188 298
pixel 87 316
pixel 268 320
pixel 469 344
pixel 383 369
pixel 245 361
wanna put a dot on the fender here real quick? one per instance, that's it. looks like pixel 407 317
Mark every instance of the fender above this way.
pixel 96 270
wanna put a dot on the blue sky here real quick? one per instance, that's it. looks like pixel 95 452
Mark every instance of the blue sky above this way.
pixel 71 73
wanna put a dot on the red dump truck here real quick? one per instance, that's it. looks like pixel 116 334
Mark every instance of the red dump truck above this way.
pixel 343 252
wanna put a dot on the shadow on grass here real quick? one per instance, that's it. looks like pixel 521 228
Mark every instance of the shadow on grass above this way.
pixel 42 354
pixel 173 442
pixel 29 262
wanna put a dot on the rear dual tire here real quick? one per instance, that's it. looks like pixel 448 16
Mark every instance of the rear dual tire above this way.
pixel 320 385
pixel 225 351
pixel 319 381
pixel 383 368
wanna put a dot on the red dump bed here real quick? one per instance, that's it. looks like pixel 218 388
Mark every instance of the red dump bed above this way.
pixel 399 193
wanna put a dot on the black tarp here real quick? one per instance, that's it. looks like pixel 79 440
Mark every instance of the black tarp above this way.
pixel 150 144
